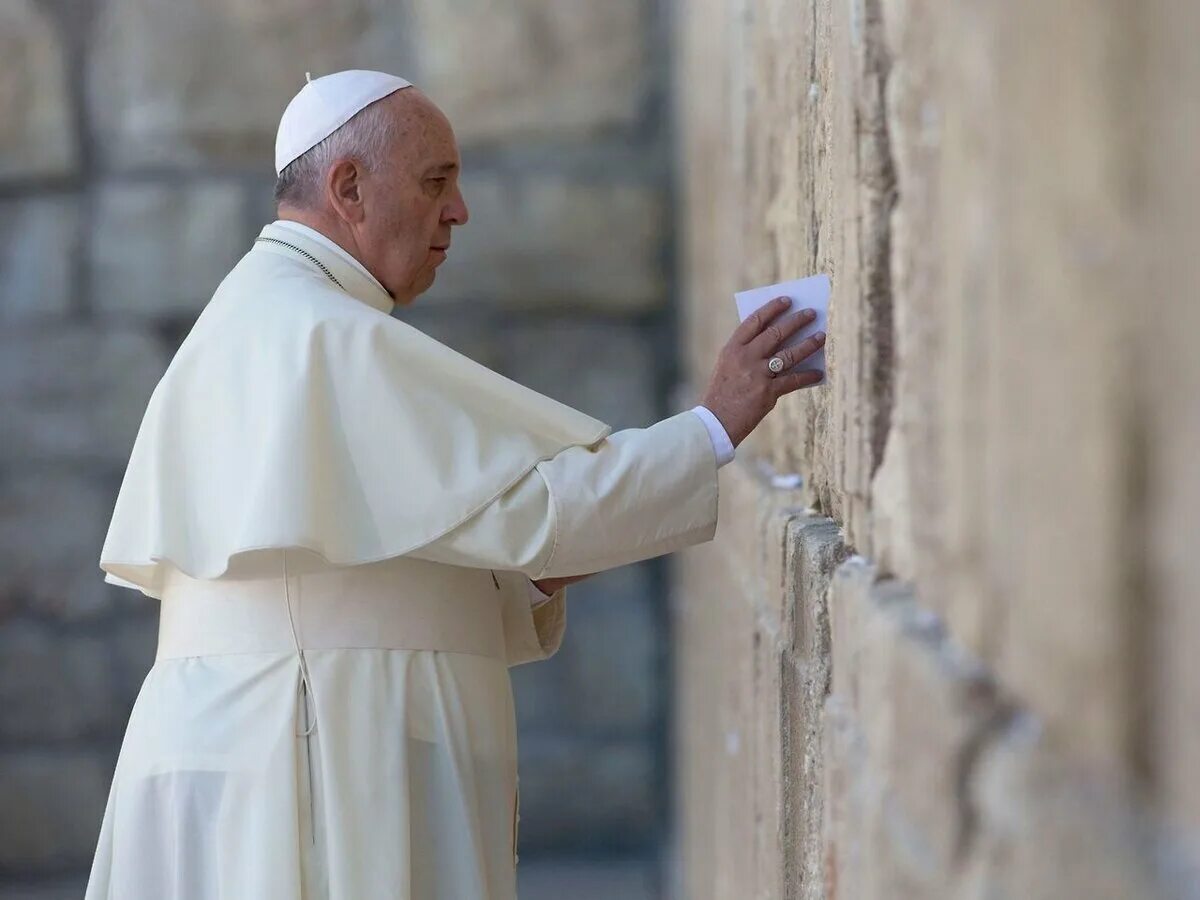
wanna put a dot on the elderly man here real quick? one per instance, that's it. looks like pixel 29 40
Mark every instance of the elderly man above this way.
pixel 354 531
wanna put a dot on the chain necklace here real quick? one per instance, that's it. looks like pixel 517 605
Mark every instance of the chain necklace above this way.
pixel 320 265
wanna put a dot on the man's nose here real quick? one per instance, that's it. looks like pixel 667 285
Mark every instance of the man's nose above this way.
pixel 457 212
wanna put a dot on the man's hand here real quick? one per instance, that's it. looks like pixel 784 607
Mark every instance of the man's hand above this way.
pixel 549 585
pixel 742 390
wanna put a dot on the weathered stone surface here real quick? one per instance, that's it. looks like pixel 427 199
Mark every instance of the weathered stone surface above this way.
pixel 208 82
pixel 157 248
pixel 37 135
pixel 611 801
pixel 53 686
pixel 522 68
pixel 51 530
pixel 52 809
pixel 1001 440
pixel 1044 829
pixel 1171 367
pixel 604 369
pixel 918 706
pixel 550 243
pixel 40 243
pixel 74 392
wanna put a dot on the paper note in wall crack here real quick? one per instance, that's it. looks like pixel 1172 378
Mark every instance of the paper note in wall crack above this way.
pixel 805 293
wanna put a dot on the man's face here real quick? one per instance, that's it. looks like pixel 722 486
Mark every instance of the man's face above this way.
pixel 410 206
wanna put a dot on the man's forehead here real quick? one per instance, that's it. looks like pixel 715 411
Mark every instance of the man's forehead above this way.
pixel 426 136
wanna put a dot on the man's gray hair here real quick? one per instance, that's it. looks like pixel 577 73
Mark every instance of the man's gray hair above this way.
pixel 366 137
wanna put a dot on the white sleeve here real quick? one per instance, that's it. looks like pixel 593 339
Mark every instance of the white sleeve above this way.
pixel 722 445
pixel 637 494
pixel 536 597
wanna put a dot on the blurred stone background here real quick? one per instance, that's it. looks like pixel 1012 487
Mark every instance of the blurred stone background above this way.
pixel 136 141
pixel 943 643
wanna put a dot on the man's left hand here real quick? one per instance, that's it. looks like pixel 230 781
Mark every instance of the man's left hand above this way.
pixel 549 585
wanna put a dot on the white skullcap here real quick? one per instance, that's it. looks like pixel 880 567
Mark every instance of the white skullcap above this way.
pixel 325 105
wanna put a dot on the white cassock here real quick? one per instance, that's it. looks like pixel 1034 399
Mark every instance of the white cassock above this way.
pixel 341 517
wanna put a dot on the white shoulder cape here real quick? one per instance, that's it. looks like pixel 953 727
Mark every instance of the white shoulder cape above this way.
pixel 299 413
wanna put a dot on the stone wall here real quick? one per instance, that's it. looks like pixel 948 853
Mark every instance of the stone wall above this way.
pixel 954 657
pixel 135 168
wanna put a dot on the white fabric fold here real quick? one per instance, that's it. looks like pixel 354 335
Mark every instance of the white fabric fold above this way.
pixel 362 438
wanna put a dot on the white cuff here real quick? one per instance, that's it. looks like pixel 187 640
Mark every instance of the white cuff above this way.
pixel 722 445
pixel 536 597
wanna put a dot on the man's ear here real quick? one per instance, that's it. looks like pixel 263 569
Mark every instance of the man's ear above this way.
pixel 343 190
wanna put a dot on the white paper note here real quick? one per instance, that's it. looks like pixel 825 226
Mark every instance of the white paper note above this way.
pixel 805 293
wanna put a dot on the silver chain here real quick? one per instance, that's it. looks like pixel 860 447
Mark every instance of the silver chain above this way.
pixel 320 265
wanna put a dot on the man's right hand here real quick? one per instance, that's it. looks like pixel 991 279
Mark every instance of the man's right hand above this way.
pixel 742 389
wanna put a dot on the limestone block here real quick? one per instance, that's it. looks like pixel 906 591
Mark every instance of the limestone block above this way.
pixel 1058 556
pixel 550 243
pixel 1046 829
pixel 814 550
pixel 1170 371
pixel 207 82
pixel 606 369
pixel 74 392
pixel 751 526
pixel 611 798
pixel 53 686
pixel 517 69
pixel 161 249
pixel 37 135
pixel 699 611
pixel 52 809
pixel 40 241
pixel 920 705
pixel 52 527
pixel 907 484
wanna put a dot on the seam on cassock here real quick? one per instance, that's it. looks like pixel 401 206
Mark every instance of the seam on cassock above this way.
pixel 556 516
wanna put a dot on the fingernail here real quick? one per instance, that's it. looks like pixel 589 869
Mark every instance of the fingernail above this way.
pixel 820 335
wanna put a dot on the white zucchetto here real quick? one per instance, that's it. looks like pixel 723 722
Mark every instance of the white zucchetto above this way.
pixel 324 105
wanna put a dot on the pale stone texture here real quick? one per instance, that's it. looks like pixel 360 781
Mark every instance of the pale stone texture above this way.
pixel 40 243
pixel 37 135
pixel 548 242
pixel 531 68
pixel 1006 440
pixel 162 249
pixel 77 393
pixel 207 82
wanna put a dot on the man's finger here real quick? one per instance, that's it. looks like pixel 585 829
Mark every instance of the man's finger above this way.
pixel 793 381
pixel 804 349
pixel 757 320
pixel 771 337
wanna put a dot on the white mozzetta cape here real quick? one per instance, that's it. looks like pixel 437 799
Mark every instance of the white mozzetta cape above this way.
pixel 299 413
